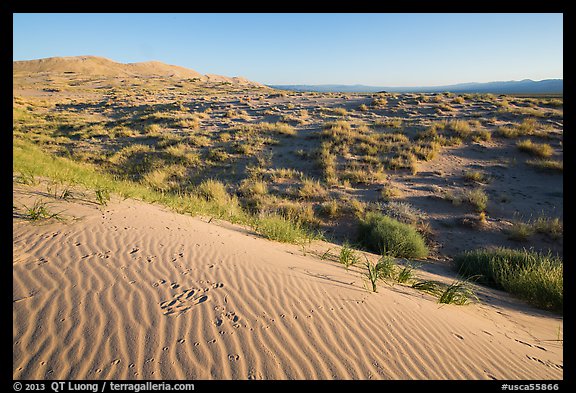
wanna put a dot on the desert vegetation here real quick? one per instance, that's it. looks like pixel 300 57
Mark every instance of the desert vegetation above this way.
pixel 291 166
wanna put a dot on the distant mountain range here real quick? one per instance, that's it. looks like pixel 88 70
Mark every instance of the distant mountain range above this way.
pixel 526 86
pixel 100 66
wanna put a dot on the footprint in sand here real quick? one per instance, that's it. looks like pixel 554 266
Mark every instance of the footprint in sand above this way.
pixel 185 300
pixel 115 362
pixel 182 303
pixel 233 357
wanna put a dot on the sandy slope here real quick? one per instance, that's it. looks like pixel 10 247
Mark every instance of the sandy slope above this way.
pixel 133 291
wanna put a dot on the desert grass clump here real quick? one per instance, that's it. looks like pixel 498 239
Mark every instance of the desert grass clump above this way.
pixel 460 127
pixel 338 111
pixel 481 135
pixel 278 228
pixel 388 192
pixel 477 198
pixel 405 274
pixel 532 276
pixel 39 211
pixel 213 191
pixel 458 100
pixel 379 101
pixel 337 131
pixel 102 195
pixel 182 153
pixel 426 151
pixel 383 269
pixel 458 293
pixel 348 256
pixel 277 128
pixel 311 189
pixel 405 212
pixel 358 175
pixel 475 176
pixel 520 231
pixel 542 150
pixel 327 162
pixel 25 177
pixel 363 108
pixel 554 166
pixel 429 286
pixel 551 227
pixel 385 235
pixel 331 209
pixel 390 122
pixel 251 188
pixel 218 155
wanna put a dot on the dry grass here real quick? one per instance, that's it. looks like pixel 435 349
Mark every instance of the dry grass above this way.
pixel 541 150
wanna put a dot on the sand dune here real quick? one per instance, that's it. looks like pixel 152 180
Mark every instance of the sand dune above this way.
pixel 133 291
pixel 100 66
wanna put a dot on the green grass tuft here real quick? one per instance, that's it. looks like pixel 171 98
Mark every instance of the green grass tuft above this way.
pixel 534 277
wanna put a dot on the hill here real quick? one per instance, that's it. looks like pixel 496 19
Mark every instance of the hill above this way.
pixel 100 66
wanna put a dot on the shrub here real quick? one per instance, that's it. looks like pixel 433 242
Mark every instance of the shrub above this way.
pixel 520 231
pixel 532 276
pixel 213 190
pixel 275 227
pixel 404 212
pixel 391 122
pixel 542 150
pixel 475 176
pixel 388 236
pixel 311 189
pixel 477 198
pixel 547 164
pixel 389 192
pixel 250 188
pixel 330 208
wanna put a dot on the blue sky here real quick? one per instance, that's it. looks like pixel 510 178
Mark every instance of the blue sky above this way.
pixel 369 49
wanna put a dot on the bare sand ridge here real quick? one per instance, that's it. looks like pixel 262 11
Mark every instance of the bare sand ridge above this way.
pixel 94 65
pixel 133 291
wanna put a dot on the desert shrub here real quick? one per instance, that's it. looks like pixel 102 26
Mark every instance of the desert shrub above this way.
pixel 391 122
pixel 385 235
pixel 477 198
pixel 389 192
pixel 532 276
pixel 404 212
pixel 552 227
pixel 275 227
pixel 213 190
pixel 379 101
pixel 331 208
pixel 542 150
pixel 250 188
pixel 520 231
pixel 475 176
pixel 276 128
pixel 311 189
pixel 547 165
